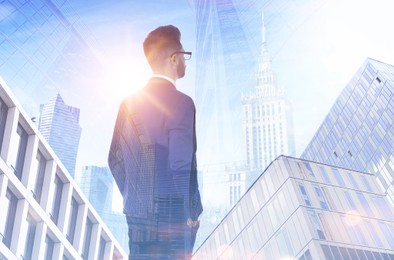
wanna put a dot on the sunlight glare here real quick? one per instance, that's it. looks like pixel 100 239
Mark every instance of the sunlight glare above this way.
pixel 352 218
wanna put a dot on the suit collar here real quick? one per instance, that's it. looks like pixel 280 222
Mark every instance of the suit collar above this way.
pixel 164 77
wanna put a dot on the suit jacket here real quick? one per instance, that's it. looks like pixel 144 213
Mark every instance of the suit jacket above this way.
pixel 153 150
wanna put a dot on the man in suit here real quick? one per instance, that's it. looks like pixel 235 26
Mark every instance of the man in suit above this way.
pixel 153 156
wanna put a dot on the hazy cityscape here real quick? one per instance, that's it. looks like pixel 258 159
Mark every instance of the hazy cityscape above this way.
pixel 268 78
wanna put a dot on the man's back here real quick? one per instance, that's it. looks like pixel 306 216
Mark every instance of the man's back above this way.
pixel 153 155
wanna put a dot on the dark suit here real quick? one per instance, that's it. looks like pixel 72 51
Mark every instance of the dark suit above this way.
pixel 153 160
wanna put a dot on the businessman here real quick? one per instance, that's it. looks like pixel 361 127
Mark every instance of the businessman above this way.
pixel 153 156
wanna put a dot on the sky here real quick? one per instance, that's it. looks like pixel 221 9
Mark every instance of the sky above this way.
pixel 316 47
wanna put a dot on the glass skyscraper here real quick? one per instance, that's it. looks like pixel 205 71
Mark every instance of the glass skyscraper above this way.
pixel 225 61
pixel 358 132
pixel 59 125
pixel 299 209
pixel 45 48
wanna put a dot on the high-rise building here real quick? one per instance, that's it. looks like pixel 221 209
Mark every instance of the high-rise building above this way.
pixel 267 117
pixel 358 132
pixel 225 61
pixel 226 58
pixel 44 47
pixel 44 214
pixel 59 125
pixel 267 127
pixel 97 183
pixel 299 209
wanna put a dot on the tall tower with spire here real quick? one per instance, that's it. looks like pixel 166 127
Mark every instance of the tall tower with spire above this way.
pixel 266 117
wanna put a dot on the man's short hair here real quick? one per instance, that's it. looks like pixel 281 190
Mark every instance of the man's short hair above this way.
pixel 161 41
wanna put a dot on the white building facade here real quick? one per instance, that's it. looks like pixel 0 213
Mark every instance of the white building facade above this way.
pixel 44 213
pixel 299 209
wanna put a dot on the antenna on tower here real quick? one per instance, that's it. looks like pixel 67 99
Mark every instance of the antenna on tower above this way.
pixel 263 29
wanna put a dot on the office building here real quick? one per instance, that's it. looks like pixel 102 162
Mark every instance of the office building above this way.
pixel 225 61
pixel 299 209
pixel 97 183
pixel 267 117
pixel 45 47
pixel 358 132
pixel 59 125
pixel 44 213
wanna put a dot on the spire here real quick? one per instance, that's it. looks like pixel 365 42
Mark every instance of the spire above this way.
pixel 266 80
pixel 263 30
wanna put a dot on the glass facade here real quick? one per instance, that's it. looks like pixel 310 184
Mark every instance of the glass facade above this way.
pixel 358 132
pixel 59 124
pixel 297 217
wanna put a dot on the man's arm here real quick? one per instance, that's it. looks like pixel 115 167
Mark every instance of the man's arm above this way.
pixel 115 157
pixel 181 150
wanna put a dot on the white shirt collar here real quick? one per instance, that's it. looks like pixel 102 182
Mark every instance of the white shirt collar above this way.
pixel 164 77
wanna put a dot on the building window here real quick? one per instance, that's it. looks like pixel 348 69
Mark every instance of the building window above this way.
pixel 324 175
pixel 387 233
pixel 353 228
pixel 372 232
pixel 382 207
pixel 321 198
pixel 3 117
pixel 40 174
pixel 18 154
pixel 49 245
pixel 365 204
pixel 353 181
pixel 88 235
pixel 308 167
pixel 304 195
pixel 350 201
pixel 57 196
pixel 338 177
pixel 31 231
pixel 72 220
pixel 101 248
pixel 10 207
pixel 284 244
pixel 316 224
pixel 366 183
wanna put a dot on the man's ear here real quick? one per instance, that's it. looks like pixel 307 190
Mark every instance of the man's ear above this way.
pixel 173 58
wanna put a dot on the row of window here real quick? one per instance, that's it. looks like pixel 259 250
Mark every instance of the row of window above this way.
pixel 263 110
pixel 338 253
pixel 336 177
pixel 39 199
pixel 352 228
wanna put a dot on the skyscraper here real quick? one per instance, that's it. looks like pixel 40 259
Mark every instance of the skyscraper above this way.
pixel 267 117
pixel 59 124
pixel 299 209
pixel 45 46
pixel 97 183
pixel 225 60
pixel 266 125
pixel 358 132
